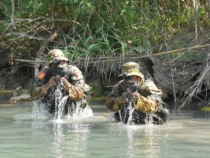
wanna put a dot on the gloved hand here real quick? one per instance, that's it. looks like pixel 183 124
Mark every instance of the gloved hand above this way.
pixel 66 83
pixel 134 95
pixel 125 95
pixel 123 98
pixel 54 80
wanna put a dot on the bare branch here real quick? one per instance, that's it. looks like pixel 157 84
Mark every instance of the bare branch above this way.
pixel 22 35
pixel 6 31
pixel 13 10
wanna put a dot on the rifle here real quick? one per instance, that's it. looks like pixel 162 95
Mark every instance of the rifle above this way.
pixel 133 87
pixel 57 70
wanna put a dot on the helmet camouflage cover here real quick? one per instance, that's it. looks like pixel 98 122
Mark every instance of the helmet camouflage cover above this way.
pixel 55 54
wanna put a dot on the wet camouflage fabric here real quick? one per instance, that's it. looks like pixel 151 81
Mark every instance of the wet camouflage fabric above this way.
pixel 149 99
pixel 147 102
pixel 35 93
pixel 77 92
pixel 146 105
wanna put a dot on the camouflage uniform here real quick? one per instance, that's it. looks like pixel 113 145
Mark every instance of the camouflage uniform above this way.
pixel 78 91
pixel 148 102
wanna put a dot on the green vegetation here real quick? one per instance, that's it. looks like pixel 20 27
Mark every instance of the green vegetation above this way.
pixel 90 28
pixel 96 91
pixel 110 32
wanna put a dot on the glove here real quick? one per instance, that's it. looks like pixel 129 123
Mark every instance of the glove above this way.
pixel 123 98
pixel 125 95
pixel 134 95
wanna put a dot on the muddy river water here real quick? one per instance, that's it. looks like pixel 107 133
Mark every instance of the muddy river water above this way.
pixel 186 135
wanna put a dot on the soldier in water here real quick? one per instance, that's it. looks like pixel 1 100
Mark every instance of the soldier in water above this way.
pixel 133 99
pixel 67 78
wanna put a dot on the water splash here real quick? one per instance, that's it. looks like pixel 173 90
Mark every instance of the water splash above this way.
pixel 78 110
pixel 120 115
pixel 149 119
pixel 60 108
pixel 131 109
pixel 75 111
pixel 36 105
pixel 111 116
pixel 39 110
pixel 58 97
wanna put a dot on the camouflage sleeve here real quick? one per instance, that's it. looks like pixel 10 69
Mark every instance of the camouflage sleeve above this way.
pixel 76 90
pixel 112 102
pixel 147 105
pixel 36 91
pixel 150 99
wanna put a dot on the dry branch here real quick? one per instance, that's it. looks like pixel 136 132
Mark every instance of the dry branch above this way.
pixel 22 35
pixel 135 56
pixel 196 87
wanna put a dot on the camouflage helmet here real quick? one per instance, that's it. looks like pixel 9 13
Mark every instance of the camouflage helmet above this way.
pixel 55 54
pixel 131 68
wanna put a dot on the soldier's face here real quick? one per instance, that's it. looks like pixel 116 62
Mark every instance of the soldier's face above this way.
pixel 62 64
pixel 134 78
